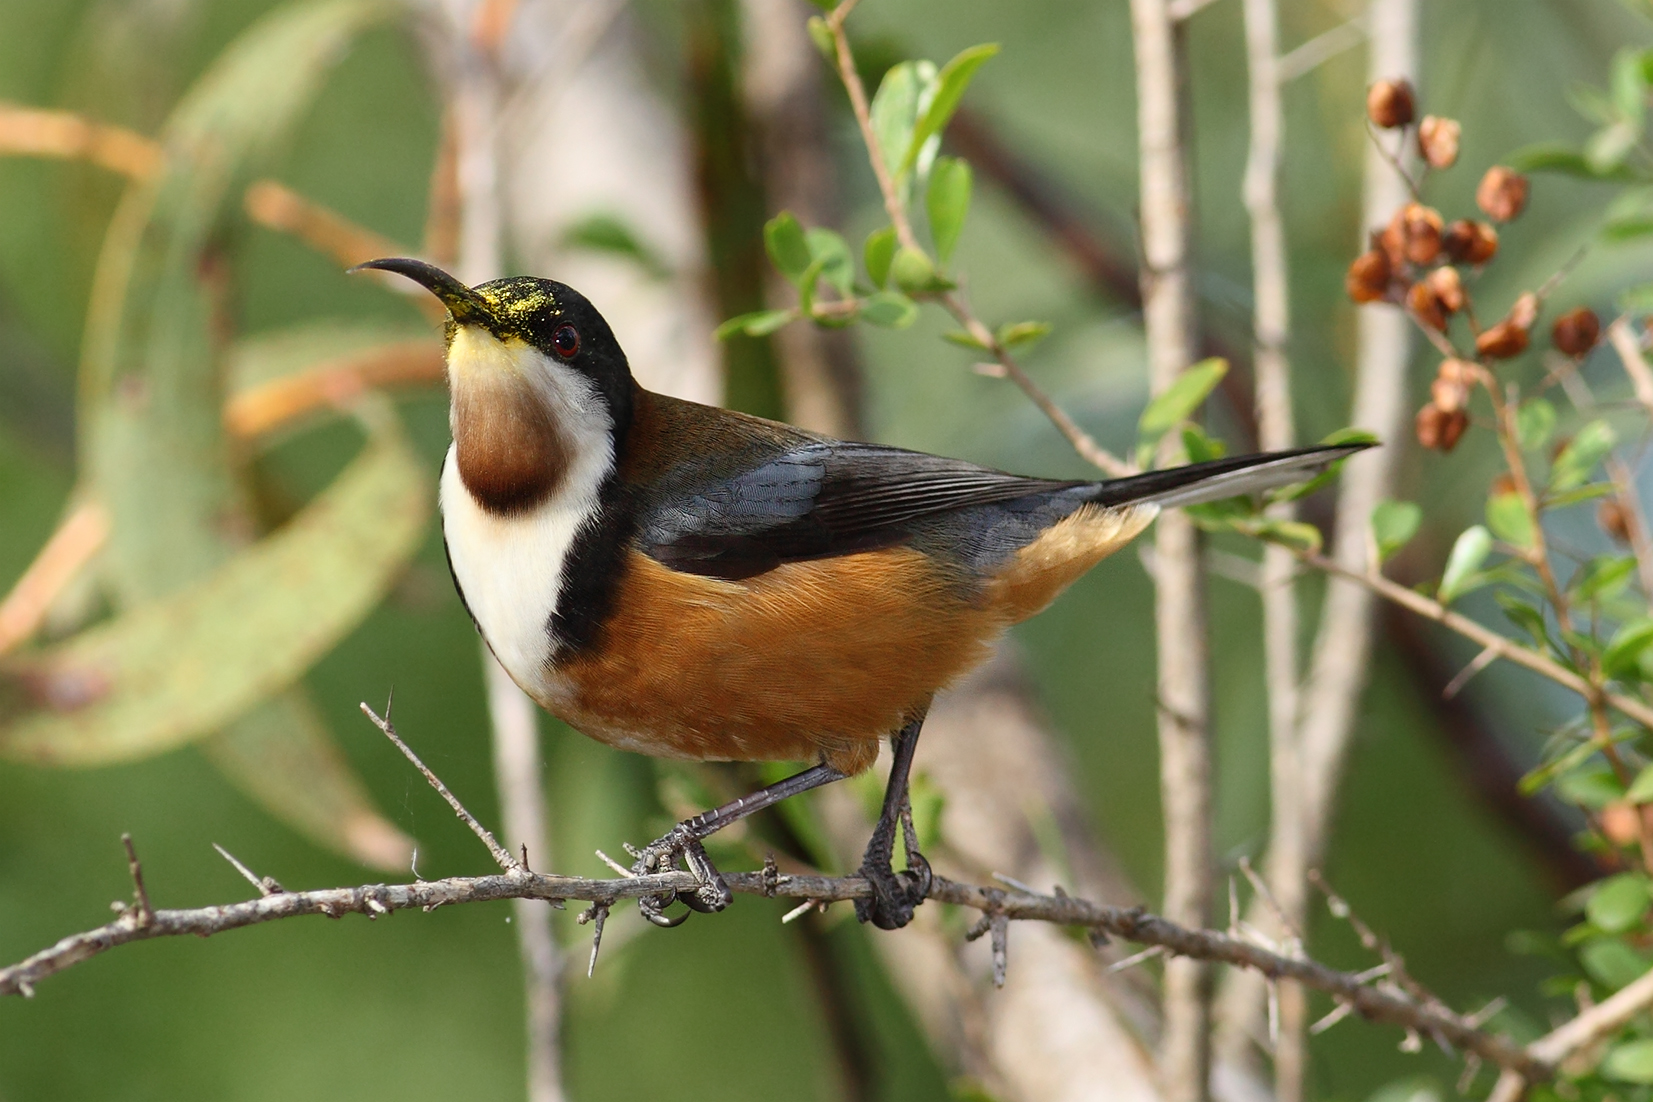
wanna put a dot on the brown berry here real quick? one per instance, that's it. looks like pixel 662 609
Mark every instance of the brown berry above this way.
pixel 1503 484
pixel 1390 103
pixel 1502 194
pixel 1426 306
pixel 1438 140
pixel 1613 520
pixel 1502 341
pixel 1421 233
pixel 1368 277
pixel 1450 390
pixel 1392 240
pixel 1469 242
pixel 1440 429
pixel 1621 823
pixel 1448 287
pixel 1576 332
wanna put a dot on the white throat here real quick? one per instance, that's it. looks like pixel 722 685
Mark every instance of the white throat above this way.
pixel 511 568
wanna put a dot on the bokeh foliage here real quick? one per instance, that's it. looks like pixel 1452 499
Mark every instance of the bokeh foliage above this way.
pixel 429 1006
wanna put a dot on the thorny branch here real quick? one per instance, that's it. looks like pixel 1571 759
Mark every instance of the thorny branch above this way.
pixel 998 906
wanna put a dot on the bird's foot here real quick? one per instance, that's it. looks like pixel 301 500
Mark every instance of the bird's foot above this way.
pixel 895 895
pixel 708 897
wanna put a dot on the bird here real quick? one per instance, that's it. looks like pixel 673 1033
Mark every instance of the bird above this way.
pixel 690 582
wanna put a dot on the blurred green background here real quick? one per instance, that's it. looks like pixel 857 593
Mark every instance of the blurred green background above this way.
pixel 428 1006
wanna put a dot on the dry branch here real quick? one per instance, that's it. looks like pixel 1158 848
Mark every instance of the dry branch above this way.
pixel 1132 924
pixel 34 132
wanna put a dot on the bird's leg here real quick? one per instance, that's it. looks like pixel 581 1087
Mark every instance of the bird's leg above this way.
pixel 895 895
pixel 686 840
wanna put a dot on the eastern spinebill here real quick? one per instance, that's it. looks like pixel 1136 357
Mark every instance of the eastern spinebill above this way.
pixel 689 582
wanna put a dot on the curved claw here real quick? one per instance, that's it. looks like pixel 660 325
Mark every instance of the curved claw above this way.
pixel 652 909
pixel 709 897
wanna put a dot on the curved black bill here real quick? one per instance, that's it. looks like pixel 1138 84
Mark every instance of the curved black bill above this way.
pixel 463 303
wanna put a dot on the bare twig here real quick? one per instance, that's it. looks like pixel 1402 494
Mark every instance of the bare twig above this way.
pixel 140 894
pixel 1179 588
pixel 1629 348
pixel 268 406
pixel 1342 648
pixel 1320 49
pixel 1272 295
pixel 502 856
pixel 265 885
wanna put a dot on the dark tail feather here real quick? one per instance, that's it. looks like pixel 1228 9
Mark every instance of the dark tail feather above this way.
pixel 1229 477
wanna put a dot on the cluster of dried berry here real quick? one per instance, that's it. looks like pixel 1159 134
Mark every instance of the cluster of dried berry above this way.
pixel 1414 262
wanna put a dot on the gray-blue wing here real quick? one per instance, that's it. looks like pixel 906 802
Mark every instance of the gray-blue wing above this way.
pixel 817 500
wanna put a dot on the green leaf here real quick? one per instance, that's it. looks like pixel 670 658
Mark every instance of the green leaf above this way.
pixel 1509 520
pixel 1631 1062
pixel 177 668
pixel 946 201
pixel 1612 963
pixel 964 339
pixel 1012 334
pixel 1349 436
pixel 759 323
pixel 1581 455
pixel 807 284
pixel 1295 534
pixel 784 238
pixel 1394 523
pixel 1641 789
pixel 912 271
pixel 1536 779
pixel 1636 300
pixel 951 82
pixel 1177 402
pixel 1628 87
pixel 1592 788
pixel 1619 231
pixel 895 113
pixel 1623 655
pixel 1201 446
pixel 1469 552
pixel 1526 616
pixel 1534 422
pixel 1603 578
pixel 890 309
pixel 1619 902
pixel 1550 157
pixel 821 35
pixel 607 234
pixel 1573 497
pixel 828 247
pixel 1605 151
pixel 878 253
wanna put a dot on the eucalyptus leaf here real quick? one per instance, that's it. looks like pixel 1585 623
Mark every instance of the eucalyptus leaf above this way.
pixel 172 670
pixel 946 202
pixel 1394 523
pixel 1469 552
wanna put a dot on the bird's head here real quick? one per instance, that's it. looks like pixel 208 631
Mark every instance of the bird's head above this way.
pixel 536 377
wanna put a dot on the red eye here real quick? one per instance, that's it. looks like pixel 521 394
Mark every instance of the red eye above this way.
pixel 566 340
